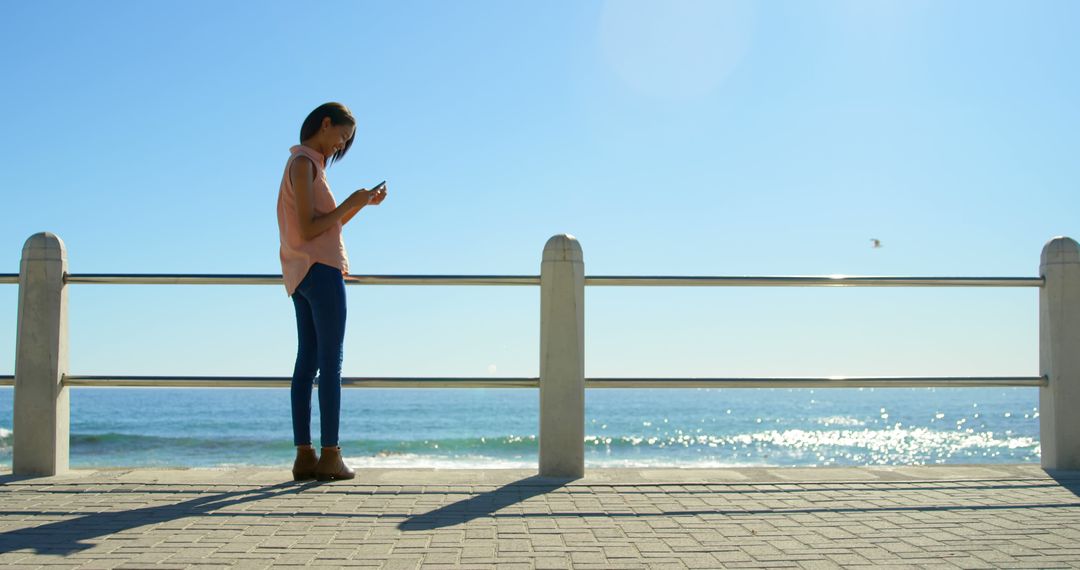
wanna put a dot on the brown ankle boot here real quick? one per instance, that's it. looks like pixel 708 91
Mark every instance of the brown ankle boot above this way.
pixel 304 466
pixel 331 467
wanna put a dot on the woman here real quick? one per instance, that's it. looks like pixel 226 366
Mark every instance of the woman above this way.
pixel 313 263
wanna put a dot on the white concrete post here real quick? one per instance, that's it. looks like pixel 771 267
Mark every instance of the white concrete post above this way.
pixel 1059 355
pixel 562 359
pixel 41 359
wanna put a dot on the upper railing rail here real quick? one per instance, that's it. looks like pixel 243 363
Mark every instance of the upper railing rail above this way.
pixel 596 280
pixel 812 281
pixel 534 382
pixel 191 279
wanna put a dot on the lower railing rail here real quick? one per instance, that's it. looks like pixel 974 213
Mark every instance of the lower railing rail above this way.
pixel 827 382
pixel 284 382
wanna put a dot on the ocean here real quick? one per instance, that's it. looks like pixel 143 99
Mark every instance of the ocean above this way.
pixel 497 428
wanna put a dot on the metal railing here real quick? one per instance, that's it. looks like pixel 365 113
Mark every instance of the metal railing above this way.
pixel 813 281
pixel 836 381
pixel 561 381
pixel 534 382
pixel 593 281
pixel 534 280
pixel 181 279
pixel 285 382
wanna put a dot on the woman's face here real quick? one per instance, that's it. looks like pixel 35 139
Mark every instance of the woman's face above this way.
pixel 339 135
pixel 334 137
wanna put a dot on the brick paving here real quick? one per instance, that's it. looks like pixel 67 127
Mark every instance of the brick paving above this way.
pixel 921 517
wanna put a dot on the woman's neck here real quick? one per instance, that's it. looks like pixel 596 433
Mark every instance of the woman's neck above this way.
pixel 315 147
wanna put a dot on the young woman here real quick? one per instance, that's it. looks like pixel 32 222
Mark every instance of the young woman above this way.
pixel 313 263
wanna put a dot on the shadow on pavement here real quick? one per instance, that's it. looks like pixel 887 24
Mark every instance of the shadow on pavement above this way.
pixel 73 533
pixel 1069 480
pixel 69 535
pixel 482 505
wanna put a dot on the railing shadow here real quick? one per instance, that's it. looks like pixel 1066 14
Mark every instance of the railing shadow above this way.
pixel 482 505
pixel 70 535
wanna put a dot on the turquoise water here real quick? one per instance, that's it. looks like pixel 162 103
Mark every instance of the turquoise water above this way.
pixel 115 427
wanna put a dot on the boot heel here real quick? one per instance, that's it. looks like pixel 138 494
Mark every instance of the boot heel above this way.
pixel 303 468
pixel 332 467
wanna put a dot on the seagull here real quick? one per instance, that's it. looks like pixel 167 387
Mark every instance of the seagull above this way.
pixel 876 243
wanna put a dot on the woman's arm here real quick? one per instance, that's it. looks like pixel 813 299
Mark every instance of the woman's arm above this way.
pixel 301 175
pixel 349 215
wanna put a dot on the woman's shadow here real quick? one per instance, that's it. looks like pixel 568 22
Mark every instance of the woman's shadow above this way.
pixel 70 535
pixel 73 534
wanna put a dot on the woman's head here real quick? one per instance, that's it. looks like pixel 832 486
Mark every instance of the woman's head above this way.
pixel 329 129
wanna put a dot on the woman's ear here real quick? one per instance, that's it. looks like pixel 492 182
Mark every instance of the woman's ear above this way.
pixel 326 123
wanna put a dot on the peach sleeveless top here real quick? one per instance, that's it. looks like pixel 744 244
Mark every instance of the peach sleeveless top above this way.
pixel 297 253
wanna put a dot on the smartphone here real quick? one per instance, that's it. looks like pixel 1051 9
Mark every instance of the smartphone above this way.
pixel 379 186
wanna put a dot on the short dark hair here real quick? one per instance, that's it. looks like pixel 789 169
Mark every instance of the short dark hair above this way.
pixel 339 115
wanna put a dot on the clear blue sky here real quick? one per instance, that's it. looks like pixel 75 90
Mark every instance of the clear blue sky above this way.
pixel 694 138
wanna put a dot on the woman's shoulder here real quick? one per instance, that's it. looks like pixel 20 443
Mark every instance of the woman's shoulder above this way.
pixel 300 150
pixel 301 167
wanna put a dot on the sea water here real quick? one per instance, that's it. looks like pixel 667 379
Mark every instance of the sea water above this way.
pixel 497 428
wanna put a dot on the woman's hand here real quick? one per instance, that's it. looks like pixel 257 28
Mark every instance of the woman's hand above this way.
pixel 379 195
pixel 360 198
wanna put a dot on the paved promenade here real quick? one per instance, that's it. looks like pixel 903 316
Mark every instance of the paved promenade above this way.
pixel 933 517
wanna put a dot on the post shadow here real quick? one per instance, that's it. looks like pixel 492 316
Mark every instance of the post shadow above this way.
pixel 484 504
pixel 69 536
pixel 1069 480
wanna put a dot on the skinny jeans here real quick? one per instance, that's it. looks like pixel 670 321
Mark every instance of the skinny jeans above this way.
pixel 320 330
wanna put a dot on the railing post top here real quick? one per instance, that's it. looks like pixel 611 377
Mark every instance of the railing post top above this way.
pixel 1060 250
pixel 44 246
pixel 562 247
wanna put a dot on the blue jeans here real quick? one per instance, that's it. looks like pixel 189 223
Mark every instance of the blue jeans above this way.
pixel 320 331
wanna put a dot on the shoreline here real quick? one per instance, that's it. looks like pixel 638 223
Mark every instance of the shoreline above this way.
pixel 729 475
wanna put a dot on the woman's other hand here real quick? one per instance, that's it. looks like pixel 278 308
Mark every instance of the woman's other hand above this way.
pixel 379 195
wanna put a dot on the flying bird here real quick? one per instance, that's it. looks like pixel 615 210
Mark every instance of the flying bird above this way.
pixel 876 243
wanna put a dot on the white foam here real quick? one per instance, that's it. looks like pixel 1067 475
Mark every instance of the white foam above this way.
pixel 415 461
pixel 411 461
pixel 841 421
